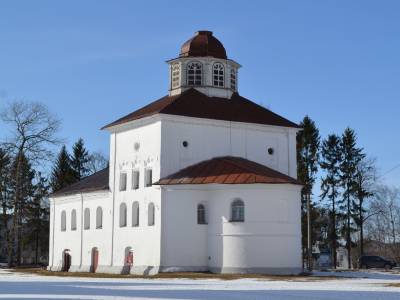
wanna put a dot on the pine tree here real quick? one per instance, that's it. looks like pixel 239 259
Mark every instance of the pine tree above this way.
pixel 351 158
pixel 5 205
pixel 23 190
pixel 37 220
pixel 63 173
pixel 331 157
pixel 80 159
pixel 307 166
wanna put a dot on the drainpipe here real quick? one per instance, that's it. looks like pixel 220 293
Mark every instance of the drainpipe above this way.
pixel 113 199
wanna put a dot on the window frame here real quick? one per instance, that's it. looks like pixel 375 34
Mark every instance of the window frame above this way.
pixel 218 75
pixel 201 214
pixel 123 212
pixel 237 211
pixel 148 177
pixel 135 206
pixel 151 214
pixel 123 183
pixel 197 76
pixel 135 179
pixel 99 209
pixel 86 219
pixel 63 221
pixel 73 220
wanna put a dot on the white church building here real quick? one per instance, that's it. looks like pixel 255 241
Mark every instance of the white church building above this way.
pixel 201 179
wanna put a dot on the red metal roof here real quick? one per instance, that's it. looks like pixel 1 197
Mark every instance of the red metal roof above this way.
pixel 227 170
pixel 203 44
pixel 193 103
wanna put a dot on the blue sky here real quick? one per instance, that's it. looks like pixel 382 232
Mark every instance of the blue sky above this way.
pixel 94 61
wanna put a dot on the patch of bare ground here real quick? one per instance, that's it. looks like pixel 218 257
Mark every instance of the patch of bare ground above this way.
pixel 393 284
pixel 179 275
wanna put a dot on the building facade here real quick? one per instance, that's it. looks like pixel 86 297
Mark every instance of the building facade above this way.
pixel 202 179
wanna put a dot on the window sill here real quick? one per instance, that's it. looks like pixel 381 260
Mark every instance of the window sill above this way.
pixel 99 227
pixel 202 223
pixel 236 221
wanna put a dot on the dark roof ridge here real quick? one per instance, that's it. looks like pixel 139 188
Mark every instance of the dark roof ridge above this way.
pixel 79 186
pixel 195 104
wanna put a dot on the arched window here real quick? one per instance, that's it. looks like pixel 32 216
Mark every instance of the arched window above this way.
pixel 194 73
pixel 175 74
pixel 135 214
pixel 218 75
pixel 87 218
pixel 99 218
pixel 63 221
pixel 122 215
pixel 233 80
pixel 73 219
pixel 201 214
pixel 151 214
pixel 237 211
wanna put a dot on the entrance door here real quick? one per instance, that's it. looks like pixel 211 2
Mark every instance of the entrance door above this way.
pixel 95 259
pixel 66 261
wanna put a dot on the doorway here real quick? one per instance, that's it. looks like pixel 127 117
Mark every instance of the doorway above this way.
pixel 95 260
pixel 66 260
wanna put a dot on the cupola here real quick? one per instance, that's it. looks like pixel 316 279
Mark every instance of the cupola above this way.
pixel 203 64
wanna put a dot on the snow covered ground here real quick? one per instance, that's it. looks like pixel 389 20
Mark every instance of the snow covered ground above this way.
pixel 361 286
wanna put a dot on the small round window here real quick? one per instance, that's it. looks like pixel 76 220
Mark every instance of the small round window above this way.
pixel 185 144
pixel 270 151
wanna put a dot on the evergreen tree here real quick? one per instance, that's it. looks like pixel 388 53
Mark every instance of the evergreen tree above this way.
pixel 63 174
pixel 307 166
pixel 23 190
pixel 351 158
pixel 331 157
pixel 37 219
pixel 80 159
pixel 5 163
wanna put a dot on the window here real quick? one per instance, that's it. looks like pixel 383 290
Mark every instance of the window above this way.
pixel 135 180
pixel 135 214
pixel 87 219
pixel 122 215
pixel 175 71
pixel 122 182
pixel 151 214
pixel 201 214
pixel 148 178
pixel 233 79
pixel 73 219
pixel 237 211
pixel 218 75
pixel 194 73
pixel 63 221
pixel 99 218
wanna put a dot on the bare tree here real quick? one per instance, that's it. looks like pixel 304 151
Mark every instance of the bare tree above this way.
pixel 33 129
pixel 97 161
pixel 384 225
pixel 364 185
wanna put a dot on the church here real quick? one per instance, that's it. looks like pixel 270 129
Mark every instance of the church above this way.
pixel 200 180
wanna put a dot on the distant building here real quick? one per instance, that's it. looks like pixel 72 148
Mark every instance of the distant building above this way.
pixel 201 179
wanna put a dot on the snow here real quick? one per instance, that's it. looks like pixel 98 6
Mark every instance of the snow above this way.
pixel 347 286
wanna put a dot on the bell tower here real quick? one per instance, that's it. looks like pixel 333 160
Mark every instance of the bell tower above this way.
pixel 203 64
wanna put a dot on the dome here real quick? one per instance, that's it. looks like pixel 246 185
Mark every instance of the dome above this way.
pixel 203 44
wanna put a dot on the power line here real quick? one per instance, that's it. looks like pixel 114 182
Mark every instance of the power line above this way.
pixel 390 170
